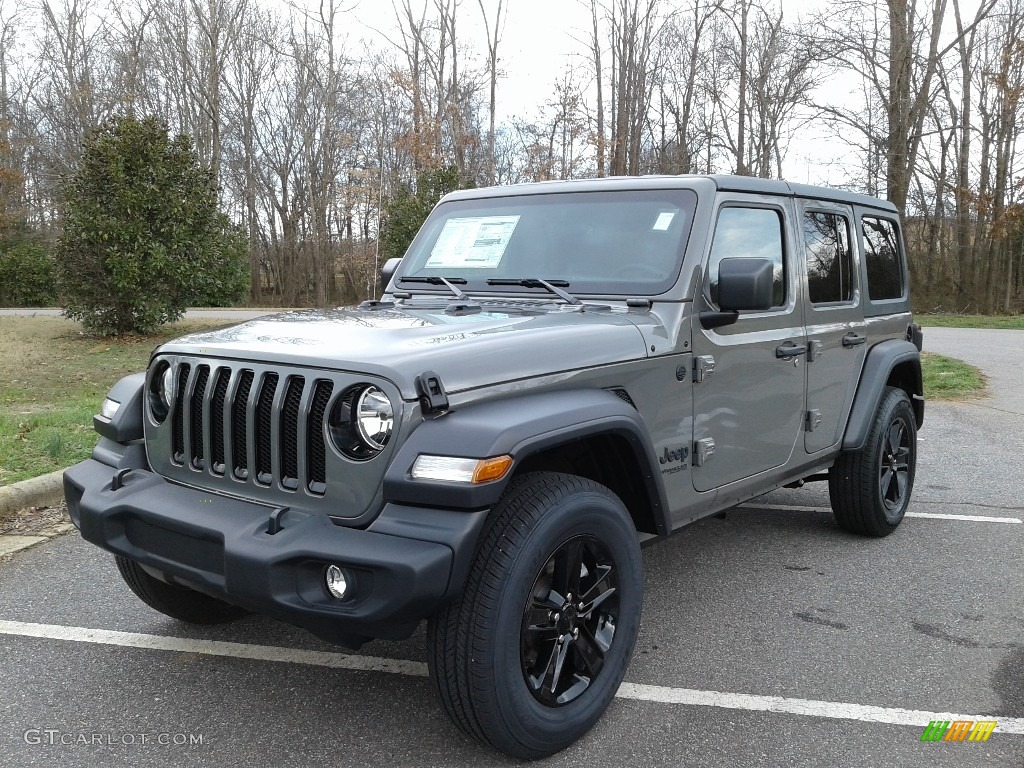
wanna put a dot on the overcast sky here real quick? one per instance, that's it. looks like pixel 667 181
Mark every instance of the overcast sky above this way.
pixel 541 38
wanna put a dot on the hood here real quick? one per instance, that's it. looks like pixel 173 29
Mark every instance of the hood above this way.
pixel 467 350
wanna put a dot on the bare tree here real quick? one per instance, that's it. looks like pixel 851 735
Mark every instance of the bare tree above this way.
pixel 897 51
pixel 493 38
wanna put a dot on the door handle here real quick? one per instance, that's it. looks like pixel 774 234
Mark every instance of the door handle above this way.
pixel 853 340
pixel 789 349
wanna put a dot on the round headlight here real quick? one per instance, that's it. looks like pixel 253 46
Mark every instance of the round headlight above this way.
pixel 166 387
pixel 375 417
pixel 361 421
pixel 161 391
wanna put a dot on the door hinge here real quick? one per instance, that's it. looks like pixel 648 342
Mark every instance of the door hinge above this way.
pixel 703 366
pixel 813 420
pixel 815 349
pixel 703 450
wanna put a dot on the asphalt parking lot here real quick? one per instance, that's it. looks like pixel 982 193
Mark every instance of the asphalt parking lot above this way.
pixel 769 638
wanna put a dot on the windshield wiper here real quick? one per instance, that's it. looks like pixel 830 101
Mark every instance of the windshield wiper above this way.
pixel 536 282
pixel 460 294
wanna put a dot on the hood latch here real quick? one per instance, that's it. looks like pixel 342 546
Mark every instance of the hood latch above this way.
pixel 433 398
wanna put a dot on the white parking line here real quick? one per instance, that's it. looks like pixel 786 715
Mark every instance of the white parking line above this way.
pixel 933 515
pixel 632 691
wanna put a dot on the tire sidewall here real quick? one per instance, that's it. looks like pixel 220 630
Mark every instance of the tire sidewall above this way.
pixel 583 513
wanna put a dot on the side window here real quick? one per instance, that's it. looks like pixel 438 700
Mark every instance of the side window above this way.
pixel 883 258
pixel 829 257
pixel 751 232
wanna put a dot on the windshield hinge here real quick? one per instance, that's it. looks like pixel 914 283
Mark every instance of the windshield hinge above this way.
pixel 433 398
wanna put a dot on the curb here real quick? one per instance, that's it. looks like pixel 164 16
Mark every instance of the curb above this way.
pixel 43 491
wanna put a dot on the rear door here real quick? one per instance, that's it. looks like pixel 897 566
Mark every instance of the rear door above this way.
pixel 748 393
pixel 836 331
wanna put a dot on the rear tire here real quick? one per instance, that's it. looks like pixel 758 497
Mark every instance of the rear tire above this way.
pixel 177 602
pixel 870 488
pixel 532 653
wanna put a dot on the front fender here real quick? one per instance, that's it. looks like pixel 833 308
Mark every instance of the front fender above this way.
pixel 518 426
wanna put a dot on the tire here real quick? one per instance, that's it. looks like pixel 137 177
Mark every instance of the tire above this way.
pixel 870 488
pixel 493 653
pixel 177 602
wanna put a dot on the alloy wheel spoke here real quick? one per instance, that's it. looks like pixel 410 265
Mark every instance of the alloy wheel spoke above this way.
pixel 886 481
pixel 539 615
pixel 568 565
pixel 589 651
pixel 581 684
pixel 895 437
pixel 601 577
pixel 541 630
pixel 588 608
pixel 901 485
pixel 563 649
pixel 537 681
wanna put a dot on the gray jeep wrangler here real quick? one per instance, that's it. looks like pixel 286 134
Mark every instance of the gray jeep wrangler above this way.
pixel 554 374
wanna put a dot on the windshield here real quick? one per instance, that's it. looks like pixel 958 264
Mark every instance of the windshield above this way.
pixel 627 242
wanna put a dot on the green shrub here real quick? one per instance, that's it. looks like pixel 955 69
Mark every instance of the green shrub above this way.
pixel 26 275
pixel 406 211
pixel 143 238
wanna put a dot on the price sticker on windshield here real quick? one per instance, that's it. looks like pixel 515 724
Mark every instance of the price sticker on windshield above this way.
pixel 476 242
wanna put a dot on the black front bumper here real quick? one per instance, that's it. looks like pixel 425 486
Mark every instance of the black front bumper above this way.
pixel 404 565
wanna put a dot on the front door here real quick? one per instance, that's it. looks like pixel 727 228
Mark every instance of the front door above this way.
pixel 749 378
pixel 836 331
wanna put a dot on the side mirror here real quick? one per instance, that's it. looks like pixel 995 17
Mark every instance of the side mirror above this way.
pixel 388 271
pixel 743 284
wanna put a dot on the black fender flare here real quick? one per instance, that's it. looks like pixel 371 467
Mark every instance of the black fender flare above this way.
pixel 519 426
pixel 126 424
pixel 879 364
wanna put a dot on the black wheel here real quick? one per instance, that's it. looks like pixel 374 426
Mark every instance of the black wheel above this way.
pixel 870 488
pixel 533 652
pixel 177 602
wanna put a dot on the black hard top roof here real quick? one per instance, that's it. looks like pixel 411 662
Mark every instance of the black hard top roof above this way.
pixel 723 182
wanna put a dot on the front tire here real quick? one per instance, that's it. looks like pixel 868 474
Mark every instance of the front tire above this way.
pixel 870 488
pixel 532 653
pixel 177 602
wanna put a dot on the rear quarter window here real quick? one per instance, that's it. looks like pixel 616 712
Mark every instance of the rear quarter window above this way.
pixel 883 258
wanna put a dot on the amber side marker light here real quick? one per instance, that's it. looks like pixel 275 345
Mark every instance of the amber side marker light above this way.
pixel 456 469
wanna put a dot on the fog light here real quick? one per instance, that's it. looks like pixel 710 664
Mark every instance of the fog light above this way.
pixel 337 583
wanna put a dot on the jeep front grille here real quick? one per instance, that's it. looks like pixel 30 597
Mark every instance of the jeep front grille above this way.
pixel 239 432
pixel 235 428
pixel 264 401
pixel 317 448
pixel 179 416
pixel 260 431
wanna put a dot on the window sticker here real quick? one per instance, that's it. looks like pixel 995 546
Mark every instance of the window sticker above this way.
pixel 474 242
pixel 664 221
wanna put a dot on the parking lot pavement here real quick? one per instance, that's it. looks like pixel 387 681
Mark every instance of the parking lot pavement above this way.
pixel 829 639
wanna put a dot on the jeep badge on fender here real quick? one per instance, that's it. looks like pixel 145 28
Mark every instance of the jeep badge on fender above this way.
pixel 554 373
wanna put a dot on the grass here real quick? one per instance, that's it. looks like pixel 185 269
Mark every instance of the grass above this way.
pixel 948 379
pixel 1012 322
pixel 52 380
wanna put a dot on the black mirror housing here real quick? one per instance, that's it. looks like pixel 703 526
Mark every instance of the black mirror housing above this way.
pixel 388 271
pixel 745 284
